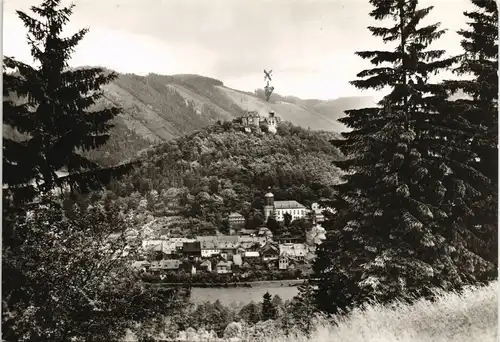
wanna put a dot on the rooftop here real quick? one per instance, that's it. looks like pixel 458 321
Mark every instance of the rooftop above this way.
pixel 228 245
pixel 265 231
pixel 252 114
pixel 224 263
pixel 191 247
pixel 296 249
pixel 236 215
pixel 166 264
pixel 225 238
pixel 248 231
pixel 208 245
pixel 288 205
pixel 237 259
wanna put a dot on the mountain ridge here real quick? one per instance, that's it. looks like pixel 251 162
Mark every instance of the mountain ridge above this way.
pixel 158 108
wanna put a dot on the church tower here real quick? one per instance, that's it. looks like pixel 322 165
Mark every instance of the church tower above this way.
pixel 268 206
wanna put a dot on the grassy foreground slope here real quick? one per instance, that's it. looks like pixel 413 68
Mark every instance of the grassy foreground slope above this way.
pixel 468 317
pixel 471 316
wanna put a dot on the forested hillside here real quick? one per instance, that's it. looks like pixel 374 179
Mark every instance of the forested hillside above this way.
pixel 159 108
pixel 197 180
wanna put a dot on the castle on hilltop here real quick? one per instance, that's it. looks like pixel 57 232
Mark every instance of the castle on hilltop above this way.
pixel 253 119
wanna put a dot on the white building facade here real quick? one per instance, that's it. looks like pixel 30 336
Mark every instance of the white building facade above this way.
pixel 278 209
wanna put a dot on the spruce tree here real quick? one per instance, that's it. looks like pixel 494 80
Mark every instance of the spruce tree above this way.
pixel 51 106
pixel 409 183
pixel 304 308
pixel 269 311
pixel 480 60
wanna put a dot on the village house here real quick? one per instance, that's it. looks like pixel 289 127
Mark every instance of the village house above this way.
pixel 236 220
pixel 224 245
pixel 318 212
pixel 296 251
pixel 169 249
pixel 209 249
pixel 272 120
pixel 270 251
pixel 253 119
pixel 179 242
pixel 227 248
pixel 240 250
pixel 237 260
pixel 290 239
pixel 252 254
pixel 152 245
pixel 206 265
pixel 252 245
pixel 176 242
pixel 246 245
pixel 218 238
pixel 248 241
pixel 223 267
pixel 285 263
pixel 277 209
pixel 265 232
pixel 161 266
pixel 191 249
pixel 250 118
pixel 247 232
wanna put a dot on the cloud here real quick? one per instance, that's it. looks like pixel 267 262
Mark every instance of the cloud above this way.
pixel 310 45
pixel 118 50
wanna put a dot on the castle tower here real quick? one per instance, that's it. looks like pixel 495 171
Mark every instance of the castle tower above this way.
pixel 272 122
pixel 268 206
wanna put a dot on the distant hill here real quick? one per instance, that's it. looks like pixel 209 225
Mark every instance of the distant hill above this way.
pixel 158 108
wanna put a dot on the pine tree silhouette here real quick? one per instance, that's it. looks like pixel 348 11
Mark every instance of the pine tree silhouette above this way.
pixel 410 183
pixel 480 59
pixel 268 309
pixel 51 105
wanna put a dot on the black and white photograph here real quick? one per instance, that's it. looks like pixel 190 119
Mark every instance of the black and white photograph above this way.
pixel 250 171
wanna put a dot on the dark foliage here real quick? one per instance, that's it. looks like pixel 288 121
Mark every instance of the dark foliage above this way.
pixel 410 185
pixel 65 265
pixel 303 308
pixel 269 311
pixel 195 182
pixel 49 106
pixel 480 60
pixel 65 275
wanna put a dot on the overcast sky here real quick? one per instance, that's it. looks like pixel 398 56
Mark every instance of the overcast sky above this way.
pixel 309 44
